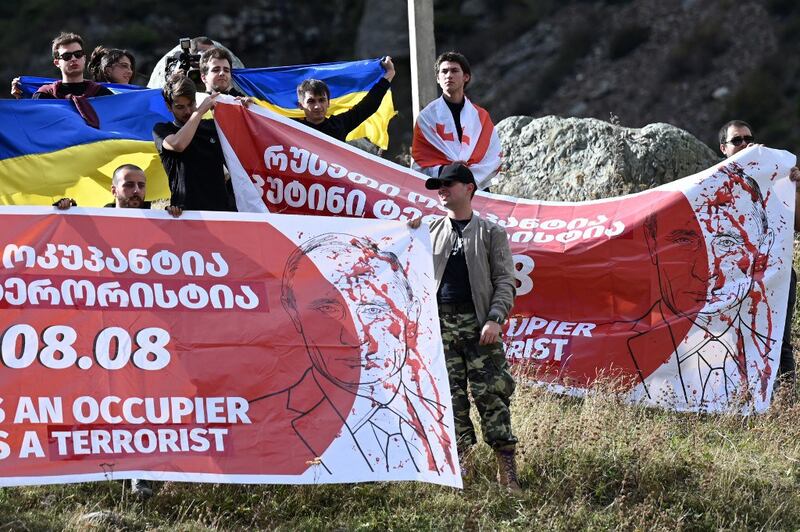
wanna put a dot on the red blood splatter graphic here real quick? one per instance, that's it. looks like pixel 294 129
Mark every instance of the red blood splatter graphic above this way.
pixel 690 266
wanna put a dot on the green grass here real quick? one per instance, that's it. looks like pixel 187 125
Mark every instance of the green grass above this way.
pixel 594 464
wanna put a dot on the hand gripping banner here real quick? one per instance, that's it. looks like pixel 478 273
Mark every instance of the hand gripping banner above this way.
pixel 219 348
pixel 678 293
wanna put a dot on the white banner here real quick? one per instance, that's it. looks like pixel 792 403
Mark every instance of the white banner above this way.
pixel 679 292
pixel 219 347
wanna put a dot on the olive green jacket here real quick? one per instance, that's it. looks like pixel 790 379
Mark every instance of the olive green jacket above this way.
pixel 489 262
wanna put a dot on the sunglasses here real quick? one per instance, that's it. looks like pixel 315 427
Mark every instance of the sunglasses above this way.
pixel 67 56
pixel 737 140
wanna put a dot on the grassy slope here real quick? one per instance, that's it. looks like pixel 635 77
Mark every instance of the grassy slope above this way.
pixel 594 463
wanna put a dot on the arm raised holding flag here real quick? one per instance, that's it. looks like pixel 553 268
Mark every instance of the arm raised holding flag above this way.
pixel 314 98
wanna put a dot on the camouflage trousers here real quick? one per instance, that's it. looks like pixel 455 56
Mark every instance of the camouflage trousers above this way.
pixel 484 369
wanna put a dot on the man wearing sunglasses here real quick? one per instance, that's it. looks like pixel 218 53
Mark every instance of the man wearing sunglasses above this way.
pixel 735 136
pixel 474 274
pixel 69 57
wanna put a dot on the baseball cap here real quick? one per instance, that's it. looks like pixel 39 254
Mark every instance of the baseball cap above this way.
pixel 452 172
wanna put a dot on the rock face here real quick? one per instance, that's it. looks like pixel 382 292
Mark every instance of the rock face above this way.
pixel 646 61
pixel 383 29
pixel 577 159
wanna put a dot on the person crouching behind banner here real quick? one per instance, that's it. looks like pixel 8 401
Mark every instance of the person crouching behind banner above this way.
pixel 128 186
pixel 314 98
pixel 190 151
pixel 475 291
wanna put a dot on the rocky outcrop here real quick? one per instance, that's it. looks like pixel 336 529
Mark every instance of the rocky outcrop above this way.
pixel 576 159
pixel 645 61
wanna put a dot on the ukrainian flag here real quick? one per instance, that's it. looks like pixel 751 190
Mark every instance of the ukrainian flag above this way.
pixel 276 89
pixel 47 150
pixel 31 84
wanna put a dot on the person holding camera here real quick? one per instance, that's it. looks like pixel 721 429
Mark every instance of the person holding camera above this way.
pixel 186 56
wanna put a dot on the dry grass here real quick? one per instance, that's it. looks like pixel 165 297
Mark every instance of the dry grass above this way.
pixel 595 463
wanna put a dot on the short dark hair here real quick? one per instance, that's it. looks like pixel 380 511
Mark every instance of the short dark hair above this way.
pixel 316 87
pixel 214 53
pixel 103 58
pixel 120 168
pixel 63 39
pixel 178 85
pixel 200 40
pixel 454 57
pixel 723 131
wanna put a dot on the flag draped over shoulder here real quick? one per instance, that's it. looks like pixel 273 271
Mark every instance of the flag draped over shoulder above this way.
pixel 47 151
pixel 349 81
pixel 31 84
pixel 436 141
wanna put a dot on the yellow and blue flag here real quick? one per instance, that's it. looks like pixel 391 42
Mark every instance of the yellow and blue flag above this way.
pixel 348 81
pixel 48 151
pixel 31 84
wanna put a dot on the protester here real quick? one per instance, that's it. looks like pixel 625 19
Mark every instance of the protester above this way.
pixel 128 184
pixel 112 65
pixel 314 98
pixel 474 275
pixel 734 136
pixel 70 58
pixel 190 150
pixel 454 129
pixel 215 72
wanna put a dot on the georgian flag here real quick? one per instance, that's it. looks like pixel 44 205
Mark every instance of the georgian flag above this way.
pixel 436 141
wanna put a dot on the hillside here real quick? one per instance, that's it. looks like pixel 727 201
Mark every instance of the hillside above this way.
pixel 690 63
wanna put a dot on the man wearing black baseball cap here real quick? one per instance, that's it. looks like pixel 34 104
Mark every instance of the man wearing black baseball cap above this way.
pixel 451 173
pixel 475 292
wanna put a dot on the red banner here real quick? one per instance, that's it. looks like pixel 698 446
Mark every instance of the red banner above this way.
pixel 218 348
pixel 679 291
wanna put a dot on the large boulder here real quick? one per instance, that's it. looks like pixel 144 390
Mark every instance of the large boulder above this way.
pixel 577 159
